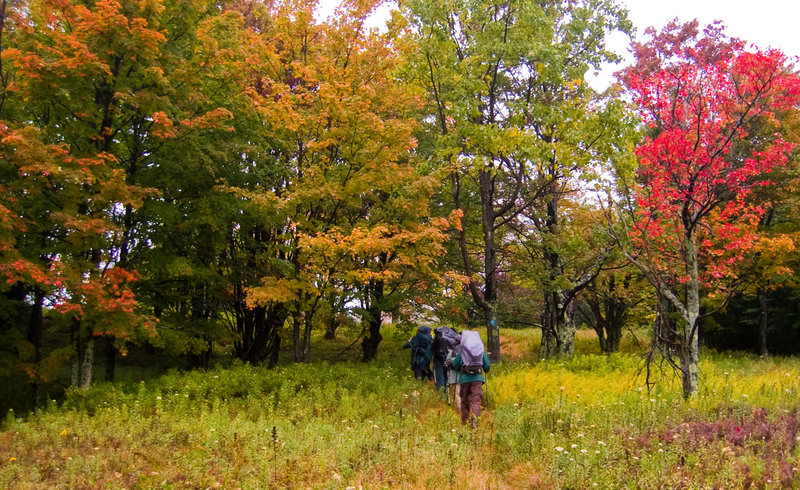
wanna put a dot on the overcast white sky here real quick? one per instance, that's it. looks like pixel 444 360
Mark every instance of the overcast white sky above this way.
pixel 765 23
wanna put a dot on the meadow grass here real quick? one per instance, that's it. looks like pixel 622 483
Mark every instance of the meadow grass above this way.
pixel 337 423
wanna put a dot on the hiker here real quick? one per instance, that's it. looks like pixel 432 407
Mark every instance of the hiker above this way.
pixel 421 346
pixel 472 362
pixel 453 387
pixel 445 347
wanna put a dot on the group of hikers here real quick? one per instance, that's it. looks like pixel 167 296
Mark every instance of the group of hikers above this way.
pixel 459 361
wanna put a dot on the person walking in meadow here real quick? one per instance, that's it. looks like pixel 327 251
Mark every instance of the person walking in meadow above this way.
pixel 445 347
pixel 472 362
pixel 421 346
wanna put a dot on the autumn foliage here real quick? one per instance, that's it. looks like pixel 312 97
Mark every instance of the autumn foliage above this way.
pixel 188 173
pixel 712 111
pixel 710 108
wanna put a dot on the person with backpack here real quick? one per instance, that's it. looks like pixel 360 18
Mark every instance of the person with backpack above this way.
pixel 472 362
pixel 445 346
pixel 421 346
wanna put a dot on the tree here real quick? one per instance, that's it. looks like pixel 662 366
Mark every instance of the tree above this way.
pixel 337 204
pixel 583 249
pixel 512 122
pixel 772 263
pixel 612 301
pixel 102 82
pixel 691 216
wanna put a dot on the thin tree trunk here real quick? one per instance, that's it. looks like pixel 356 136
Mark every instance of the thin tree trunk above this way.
pixel 616 313
pixel 549 347
pixel 75 337
pixel 762 327
pixel 485 300
pixel 111 359
pixel 690 351
pixel 307 339
pixel 35 339
pixel 369 346
pixel 297 345
pixel 301 336
pixel 87 363
pixel 557 319
pixel 490 266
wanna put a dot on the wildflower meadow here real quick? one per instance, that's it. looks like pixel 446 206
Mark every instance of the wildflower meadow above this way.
pixel 589 422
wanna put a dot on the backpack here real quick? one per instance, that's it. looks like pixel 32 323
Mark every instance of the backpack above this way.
pixel 446 343
pixel 420 344
pixel 471 352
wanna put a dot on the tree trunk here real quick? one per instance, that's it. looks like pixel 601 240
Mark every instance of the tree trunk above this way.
pixel 486 300
pixel 369 346
pixel 257 330
pixel 608 322
pixel 77 345
pixel 330 328
pixel 301 336
pixel 558 328
pixel 111 359
pixel 332 323
pixel 615 320
pixel 566 331
pixel 549 347
pixel 762 327
pixel 203 358
pixel 307 339
pixel 690 348
pixel 690 358
pixel 492 333
pixel 35 338
pixel 87 363
pixel 489 266
pixel 297 341
pixel 613 338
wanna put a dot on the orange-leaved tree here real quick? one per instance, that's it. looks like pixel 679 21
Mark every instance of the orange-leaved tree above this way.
pixel 341 209
pixel 94 86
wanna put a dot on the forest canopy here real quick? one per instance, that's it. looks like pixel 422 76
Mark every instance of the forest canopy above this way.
pixel 179 176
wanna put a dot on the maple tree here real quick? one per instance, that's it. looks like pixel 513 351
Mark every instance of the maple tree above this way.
pixel 335 206
pixel 99 87
pixel 49 189
pixel 700 94
pixel 768 271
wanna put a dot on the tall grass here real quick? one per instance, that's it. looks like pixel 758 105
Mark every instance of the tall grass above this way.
pixel 338 424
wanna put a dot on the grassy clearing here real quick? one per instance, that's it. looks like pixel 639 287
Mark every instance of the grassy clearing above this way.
pixel 571 424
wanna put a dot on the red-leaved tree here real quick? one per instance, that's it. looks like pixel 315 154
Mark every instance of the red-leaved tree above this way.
pixel 710 105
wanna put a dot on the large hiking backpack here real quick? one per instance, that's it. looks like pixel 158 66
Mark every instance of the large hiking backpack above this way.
pixel 421 350
pixel 471 352
pixel 446 343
